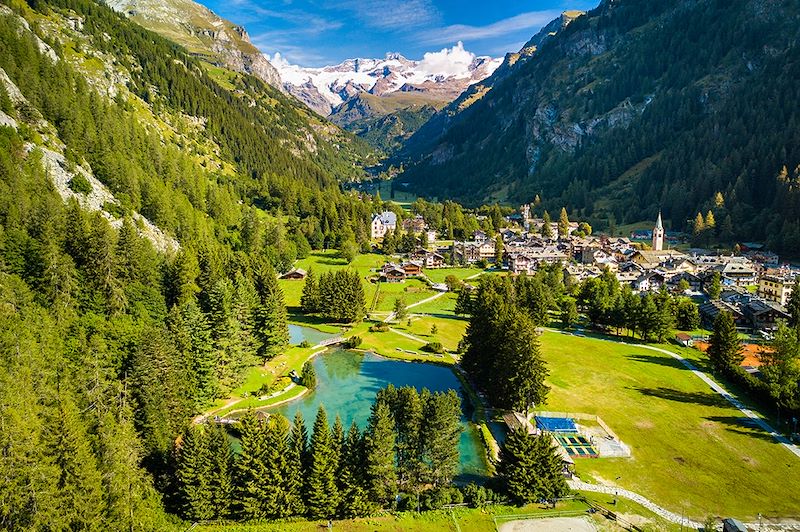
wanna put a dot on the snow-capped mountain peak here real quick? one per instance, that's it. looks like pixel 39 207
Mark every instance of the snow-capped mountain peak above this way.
pixel 445 73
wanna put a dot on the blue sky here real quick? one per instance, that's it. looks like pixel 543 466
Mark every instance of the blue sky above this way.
pixel 317 33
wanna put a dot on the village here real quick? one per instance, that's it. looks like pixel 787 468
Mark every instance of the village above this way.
pixel 749 283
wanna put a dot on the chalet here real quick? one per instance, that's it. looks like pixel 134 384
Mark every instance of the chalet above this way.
pixel 412 268
pixel 649 281
pixel 684 339
pixel 383 223
pixel 776 288
pixel 431 235
pixel 429 259
pixel 295 274
pixel 695 283
pixel 527 260
pixel 764 315
pixel 414 225
pixel 392 273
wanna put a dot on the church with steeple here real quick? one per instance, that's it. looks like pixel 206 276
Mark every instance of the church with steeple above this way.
pixel 658 234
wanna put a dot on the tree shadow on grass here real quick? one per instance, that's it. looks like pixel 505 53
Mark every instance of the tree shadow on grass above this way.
pixel 742 425
pixel 661 360
pixel 698 398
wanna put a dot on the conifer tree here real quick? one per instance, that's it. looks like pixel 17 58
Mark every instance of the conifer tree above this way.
pixel 310 300
pixel 78 499
pixel 322 496
pixel 569 312
pixel 439 437
pixel 715 288
pixel 227 336
pixel 194 474
pixel 379 455
pixel 221 471
pixel 270 316
pixel 275 464
pixel 296 466
pixel 353 497
pixel 725 349
pixel 547 231
pixel 250 468
pixel 531 468
pixel 400 308
pixel 563 223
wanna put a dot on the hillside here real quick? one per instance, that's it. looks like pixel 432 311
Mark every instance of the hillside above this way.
pixel 635 107
pixel 202 33
pixel 146 202
pixel 385 122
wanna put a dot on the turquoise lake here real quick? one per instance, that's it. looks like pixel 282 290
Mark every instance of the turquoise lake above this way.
pixel 298 333
pixel 347 382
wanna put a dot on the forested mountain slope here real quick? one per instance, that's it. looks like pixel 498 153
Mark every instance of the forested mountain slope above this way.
pixel 202 33
pixel 638 106
pixel 144 209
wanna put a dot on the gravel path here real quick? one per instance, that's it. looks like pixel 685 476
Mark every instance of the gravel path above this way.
pixel 635 497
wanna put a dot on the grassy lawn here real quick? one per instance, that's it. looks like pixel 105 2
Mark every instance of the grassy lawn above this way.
pixel 467 519
pixel 691 450
pixel 438 275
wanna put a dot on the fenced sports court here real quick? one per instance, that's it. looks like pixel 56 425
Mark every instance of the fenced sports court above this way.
pixel 565 432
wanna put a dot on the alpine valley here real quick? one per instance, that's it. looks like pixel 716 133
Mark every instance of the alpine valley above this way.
pixel 238 294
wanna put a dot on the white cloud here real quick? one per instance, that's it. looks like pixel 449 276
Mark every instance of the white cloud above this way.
pixel 453 61
pixel 532 20
pixel 398 15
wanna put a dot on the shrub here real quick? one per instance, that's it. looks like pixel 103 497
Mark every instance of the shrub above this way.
pixel 433 347
pixel 379 327
pixel 79 184
pixel 304 344
pixel 352 342
pixel 264 390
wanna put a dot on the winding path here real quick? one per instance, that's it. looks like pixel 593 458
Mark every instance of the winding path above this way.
pixel 635 497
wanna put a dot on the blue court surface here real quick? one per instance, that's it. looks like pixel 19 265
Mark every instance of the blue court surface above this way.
pixel 556 424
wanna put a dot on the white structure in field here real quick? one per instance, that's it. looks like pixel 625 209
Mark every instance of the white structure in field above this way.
pixel 658 234
pixel 383 223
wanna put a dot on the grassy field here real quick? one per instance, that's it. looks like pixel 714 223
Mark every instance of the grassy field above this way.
pixel 459 519
pixel 692 452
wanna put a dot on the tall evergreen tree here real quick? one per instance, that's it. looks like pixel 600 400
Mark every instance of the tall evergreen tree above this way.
pixel 270 316
pixel 563 223
pixel 296 466
pixel 531 468
pixel 250 469
pixel 221 466
pixel 439 437
pixel 322 497
pixel 353 499
pixel 194 474
pixel 379 455
pixel 275 464
pixel 725 349
pixel 547 230
pixel 310 300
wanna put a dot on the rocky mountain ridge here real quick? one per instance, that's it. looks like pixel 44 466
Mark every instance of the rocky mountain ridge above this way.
pixel 203 33
pixel 442 76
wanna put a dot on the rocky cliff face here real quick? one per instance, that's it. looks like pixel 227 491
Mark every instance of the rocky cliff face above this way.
pixel 203 33
pixel 628 108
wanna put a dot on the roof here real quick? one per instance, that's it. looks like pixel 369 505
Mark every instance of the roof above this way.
pixel 659 225
pixel 386 218
pixel 683 337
